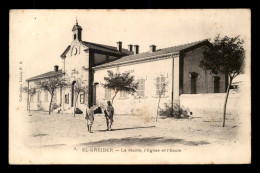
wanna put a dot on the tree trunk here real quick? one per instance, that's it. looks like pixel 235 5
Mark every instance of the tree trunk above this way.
pixel 225 104
pixel 29 106
pixel 114 98
pixel 75 104
pixel 158 107
pixel 50 104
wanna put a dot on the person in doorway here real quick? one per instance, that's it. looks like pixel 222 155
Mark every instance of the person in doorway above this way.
pixel 109 113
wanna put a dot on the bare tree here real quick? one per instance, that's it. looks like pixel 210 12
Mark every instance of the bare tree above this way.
pixel 79 87
pixel 51 84
pixel 32 91
pixel 225 55
pixel 162 90
pixel 120 82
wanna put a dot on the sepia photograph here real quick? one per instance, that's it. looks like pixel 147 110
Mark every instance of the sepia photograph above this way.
pixel 130 86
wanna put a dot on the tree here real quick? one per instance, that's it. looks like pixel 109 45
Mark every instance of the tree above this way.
pixel 30 93
pixel 79 87
pixel 225 55
pixel 162 90
pixel 51 84
pixel 122 82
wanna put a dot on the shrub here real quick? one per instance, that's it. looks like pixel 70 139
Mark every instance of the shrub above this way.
pixel 55 106
pixel 98 111
pixel 78 111
pixel 176 111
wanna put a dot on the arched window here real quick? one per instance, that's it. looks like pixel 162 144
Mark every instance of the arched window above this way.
pixel 75 36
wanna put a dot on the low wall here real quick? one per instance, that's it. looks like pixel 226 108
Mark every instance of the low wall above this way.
pixel 210 102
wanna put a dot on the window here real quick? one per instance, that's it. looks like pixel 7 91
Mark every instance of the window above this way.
pixel 82 98
pixel 67 99
pixel 160 82
pixel 55 96
pixel 123 94
pixel 32 98
pixel 75 36
pixel 141 87
pixel 216 80
pixel 39 96
pixel 107 93
pixel 46 96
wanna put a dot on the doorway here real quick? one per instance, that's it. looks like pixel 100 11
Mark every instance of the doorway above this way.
pixel 194 77
pixel 72 93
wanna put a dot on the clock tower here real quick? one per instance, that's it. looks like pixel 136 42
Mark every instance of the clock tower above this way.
pixel 76 32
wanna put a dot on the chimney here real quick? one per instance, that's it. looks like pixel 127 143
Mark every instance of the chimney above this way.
pixel 130 47
pixel 56 68
pixel 119 46
pixel 136 49
pixel 152 48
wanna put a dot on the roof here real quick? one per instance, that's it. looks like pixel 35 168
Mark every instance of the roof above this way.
pixel 63 55
pixel 106 48
pixel 100 47
pixel 75 27
pixel 146 55
pixel 46 75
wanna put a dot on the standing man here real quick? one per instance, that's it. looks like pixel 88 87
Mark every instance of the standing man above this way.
pixel 109 113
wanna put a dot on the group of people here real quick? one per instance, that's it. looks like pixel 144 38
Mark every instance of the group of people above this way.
pixel 109 113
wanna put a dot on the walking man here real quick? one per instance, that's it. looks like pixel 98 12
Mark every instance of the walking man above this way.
pixel 109 113
pixel 90 117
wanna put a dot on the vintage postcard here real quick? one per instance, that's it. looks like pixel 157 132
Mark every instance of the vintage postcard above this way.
pixel 130 86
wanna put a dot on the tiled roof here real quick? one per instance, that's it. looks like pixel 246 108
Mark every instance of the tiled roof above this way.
pixel 136 57
pixel 106 48
pixel 45 75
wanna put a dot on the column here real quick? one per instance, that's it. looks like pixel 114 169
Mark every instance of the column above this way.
pixel 176 79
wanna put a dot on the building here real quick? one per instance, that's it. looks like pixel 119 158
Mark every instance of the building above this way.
pixel 78 59
pixel 177 66
pixel 87 63
pixel 41 100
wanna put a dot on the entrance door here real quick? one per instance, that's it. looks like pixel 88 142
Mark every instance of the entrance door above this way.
pixel 72 93
pixel 95 94
pixel 193 83
pixel 216 84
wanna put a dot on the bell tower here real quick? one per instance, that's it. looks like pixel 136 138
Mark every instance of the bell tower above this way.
pixel 76 32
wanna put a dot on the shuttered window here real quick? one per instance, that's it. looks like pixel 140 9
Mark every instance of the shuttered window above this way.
pixel 107 93
pixel 141 88
pixel 160 82
pixel 67 99
pixel 82 98
pixel 46 96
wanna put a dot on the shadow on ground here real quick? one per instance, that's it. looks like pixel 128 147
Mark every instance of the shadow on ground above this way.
pixel 126 128
pixel 150 141
pixel 54 145
pixel 39 135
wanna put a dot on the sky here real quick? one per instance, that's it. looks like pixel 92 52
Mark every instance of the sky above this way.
pixel 39 37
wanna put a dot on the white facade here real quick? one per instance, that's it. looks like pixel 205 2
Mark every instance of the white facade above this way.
pixel 41 99
pixel 74 66
pixel 146 98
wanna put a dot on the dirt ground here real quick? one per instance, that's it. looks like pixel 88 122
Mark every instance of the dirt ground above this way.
pixel 63 130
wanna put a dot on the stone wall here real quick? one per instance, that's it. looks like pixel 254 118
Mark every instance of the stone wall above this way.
pixel 210 102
